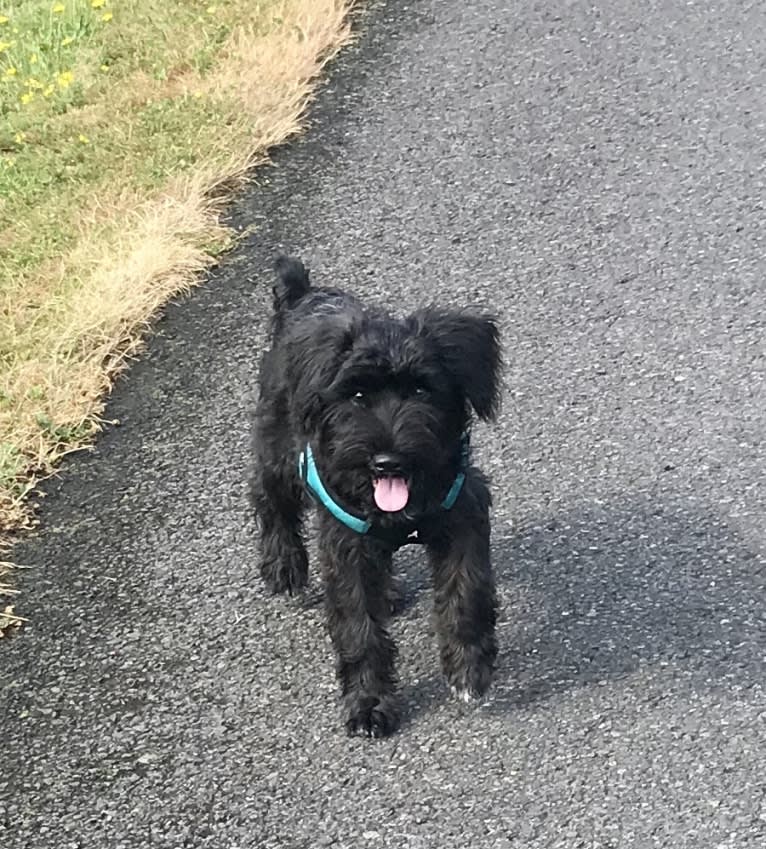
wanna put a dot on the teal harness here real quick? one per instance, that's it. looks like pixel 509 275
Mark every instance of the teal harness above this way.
pixel 399 535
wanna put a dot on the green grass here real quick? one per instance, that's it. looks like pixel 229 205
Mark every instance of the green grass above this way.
pixel 120 120
pixel 67 81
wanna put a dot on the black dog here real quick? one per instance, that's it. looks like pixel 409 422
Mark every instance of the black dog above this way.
pixel 371 415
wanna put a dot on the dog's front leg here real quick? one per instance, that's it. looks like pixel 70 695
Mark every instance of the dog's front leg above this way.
pixel 464 594
pixel 357 575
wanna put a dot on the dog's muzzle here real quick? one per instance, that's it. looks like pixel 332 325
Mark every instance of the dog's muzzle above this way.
pixel 397 536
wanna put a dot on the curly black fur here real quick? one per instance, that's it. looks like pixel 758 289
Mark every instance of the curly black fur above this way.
pixel 356 384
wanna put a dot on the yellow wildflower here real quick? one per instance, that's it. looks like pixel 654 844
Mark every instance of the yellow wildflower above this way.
pixel 97 4
pixel 197 94
pixel 34 84
pixel 211 10
pixel 19 138
pixel 105 68
pixel 58 8
pixel 83 139
pixel 27 97
pixel 106 17
pixel 65 42
pixel 3 19
pixel 48 91
pixel 65 79
pixel 33 59
pixel 5 45
pixel 10 72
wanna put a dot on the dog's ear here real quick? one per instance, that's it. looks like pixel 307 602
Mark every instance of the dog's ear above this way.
pixel 316 354
pixel 469 349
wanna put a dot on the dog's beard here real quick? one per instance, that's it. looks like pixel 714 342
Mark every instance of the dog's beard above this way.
pixel 428 471
pixel 394 497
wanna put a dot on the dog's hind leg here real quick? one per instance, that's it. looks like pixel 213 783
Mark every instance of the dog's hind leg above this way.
pixel 464 594
pixel 357 577
pixel 278 498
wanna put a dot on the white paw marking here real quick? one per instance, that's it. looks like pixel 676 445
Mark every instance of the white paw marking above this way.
pixel 464 695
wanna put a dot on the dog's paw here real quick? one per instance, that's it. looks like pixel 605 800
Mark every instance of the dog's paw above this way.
pixel 469 696
pixel 289 574
pixel 469 673
pixel 472 683
pixel 370 716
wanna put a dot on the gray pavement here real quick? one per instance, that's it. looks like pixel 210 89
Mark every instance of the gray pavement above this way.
pixel 597 174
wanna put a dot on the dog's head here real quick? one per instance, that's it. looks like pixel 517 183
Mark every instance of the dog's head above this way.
pixel 385 403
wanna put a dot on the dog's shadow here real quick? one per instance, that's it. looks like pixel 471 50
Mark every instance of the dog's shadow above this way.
pixel 592 596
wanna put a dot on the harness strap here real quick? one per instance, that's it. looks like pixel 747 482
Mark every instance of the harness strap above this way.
pixel 309 473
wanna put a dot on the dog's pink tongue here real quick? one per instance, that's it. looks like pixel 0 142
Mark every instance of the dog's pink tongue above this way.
pixel 391 494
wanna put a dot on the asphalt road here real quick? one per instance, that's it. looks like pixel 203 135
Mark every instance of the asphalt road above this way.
pixel 596 176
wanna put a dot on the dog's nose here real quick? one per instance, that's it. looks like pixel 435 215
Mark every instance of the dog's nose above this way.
pixel 386 464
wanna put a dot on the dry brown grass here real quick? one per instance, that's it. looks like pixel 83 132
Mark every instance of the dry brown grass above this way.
pixel 84 313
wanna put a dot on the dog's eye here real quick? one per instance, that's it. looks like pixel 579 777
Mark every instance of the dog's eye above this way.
pixel 359 398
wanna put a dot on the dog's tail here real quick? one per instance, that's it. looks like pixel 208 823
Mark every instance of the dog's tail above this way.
pixel 292 283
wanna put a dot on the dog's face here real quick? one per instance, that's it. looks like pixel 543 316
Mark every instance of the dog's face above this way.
pixel 385 403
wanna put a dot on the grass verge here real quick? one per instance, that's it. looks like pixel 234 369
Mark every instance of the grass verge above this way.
pixel 125 125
